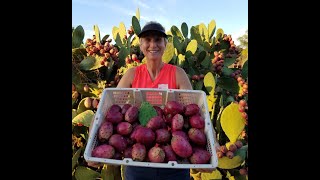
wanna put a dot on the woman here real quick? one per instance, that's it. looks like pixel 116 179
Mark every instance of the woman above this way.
pixel 155 74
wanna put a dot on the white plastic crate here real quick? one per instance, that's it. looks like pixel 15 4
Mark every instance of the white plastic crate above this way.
pixel 158 97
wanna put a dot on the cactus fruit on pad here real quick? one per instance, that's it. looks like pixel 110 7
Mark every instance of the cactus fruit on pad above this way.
pixel 146 112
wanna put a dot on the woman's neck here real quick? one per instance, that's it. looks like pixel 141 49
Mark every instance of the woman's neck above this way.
pixel 154 68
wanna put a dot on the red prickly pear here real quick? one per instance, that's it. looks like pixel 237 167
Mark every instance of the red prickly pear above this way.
pixel 197 121
pixel 197 136
pixel 105 131
pixel 87 102
pixel 156 154
pixel 103 151
pixel 238 144
pixel 191 109
pixel 131 114
pixel 174 107
pixel 138 152
pixel 155 123
pixel 177 122
pixel 118 142
pixel 200 157
pixel 86 88
pixel 181 146
pixel 169 153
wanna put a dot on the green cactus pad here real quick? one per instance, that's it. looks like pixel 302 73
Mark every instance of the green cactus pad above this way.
pixel 206 63
pixel 115 31
pixel 75 158
pixel 207 46
pixel 123 53
pixel 176 32
pixel 215 175
pixel 242 152
pixel 83 172
pixel 77 36
pixel 195 34
pixel 84 118
pixel 75 76
pixel 211 28
pixel 136 25
pixel 97 33
pixel 138 14
pixel 105 38
pixel 109 172
pixel 220 34
pixel 227 163
pixel 168 53
pixel 184 29
pixel 232 121
pixel 78 52
pixel 211 100
pixel 74 113
pixel 209 83
pixel 181 60
pixel 226 71
pixel 177 44
pixel 244 72
pixel 228 61
pixel 203 32
pixel 228 83
pixel 90 63
pixel 198 85
pixel 201 56
pixel 118 40
pixel 135 41
pixel 122 31
pixel 146 112
pixel 192 46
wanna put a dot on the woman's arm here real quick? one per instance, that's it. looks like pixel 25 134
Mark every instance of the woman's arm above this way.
pixel 182 79
pixel 127 78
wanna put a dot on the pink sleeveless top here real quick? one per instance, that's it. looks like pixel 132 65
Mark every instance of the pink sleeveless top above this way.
pixel 165 80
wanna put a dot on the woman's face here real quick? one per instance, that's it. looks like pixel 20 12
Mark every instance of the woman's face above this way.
pixel 152 45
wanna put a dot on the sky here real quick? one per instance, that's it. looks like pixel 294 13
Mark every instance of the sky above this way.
pixel 230 15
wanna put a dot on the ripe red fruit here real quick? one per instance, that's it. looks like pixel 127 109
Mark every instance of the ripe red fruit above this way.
pixel 128 60
pixel 95 103
pixel 74 87
pixel 242 102
pixel 86 88
pixel 220 154
pixel 195 77
pixel 241 109
pixel 238 144
pixel 243 171
pixel 87 102
pixel 244 115
pixel 232 148
pixel 75 95
pixel 230 154
pixel 134 57
pixel 223 149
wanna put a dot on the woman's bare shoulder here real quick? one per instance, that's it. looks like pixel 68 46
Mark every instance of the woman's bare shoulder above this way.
pixel 182 79
pixel 127 78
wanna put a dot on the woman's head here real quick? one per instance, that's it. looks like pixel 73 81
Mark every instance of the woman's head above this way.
pixel 153 41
